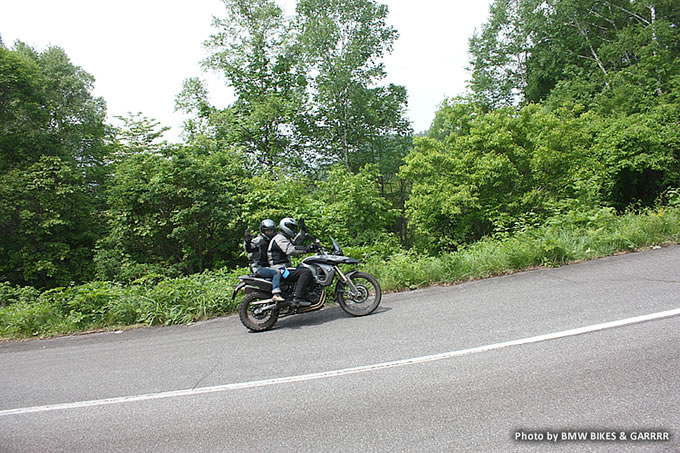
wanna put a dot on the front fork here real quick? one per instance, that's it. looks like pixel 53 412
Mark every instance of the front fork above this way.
pixel 348 281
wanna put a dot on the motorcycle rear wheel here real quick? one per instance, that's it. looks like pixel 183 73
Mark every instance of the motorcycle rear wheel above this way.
pixel 257 322
pixel 368 297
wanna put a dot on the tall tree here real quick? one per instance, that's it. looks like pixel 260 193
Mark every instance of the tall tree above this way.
pixel 498 57
pixel 589 51
pixel 480 173
pixel 174 211
pixel 53 149
pixel 254 49
pixel 343 42
pixel 138 134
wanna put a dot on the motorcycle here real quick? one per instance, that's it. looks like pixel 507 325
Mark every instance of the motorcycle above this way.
pixel 357 293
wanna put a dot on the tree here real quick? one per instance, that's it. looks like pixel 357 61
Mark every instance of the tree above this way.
pixel 138 134
pixel 481 173
pixel 593 52
pixel 24 122
pixel 354 209
pixel 53 151
pixel 641 155
pixel 174 211
pixel 76 119
pixel 343 42
pixel 49 225
pixel 254 49
pixel 498 57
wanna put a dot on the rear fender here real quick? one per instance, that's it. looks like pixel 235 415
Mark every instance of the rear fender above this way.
pixel 252 284
pixel 238 288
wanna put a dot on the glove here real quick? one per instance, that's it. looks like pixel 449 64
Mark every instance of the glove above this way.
pixel 303 227
pixel 247 235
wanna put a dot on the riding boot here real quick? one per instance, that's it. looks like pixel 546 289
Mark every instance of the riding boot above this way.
pixel 298 302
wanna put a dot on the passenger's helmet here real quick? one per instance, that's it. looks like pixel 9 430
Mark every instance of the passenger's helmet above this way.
pixel 288 226
pixel 268 227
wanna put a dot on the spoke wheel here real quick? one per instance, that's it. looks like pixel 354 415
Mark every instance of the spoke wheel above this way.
pixel 365 300
pixel 253 317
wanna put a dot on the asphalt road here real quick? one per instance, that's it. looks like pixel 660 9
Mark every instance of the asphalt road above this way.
pixel 469 368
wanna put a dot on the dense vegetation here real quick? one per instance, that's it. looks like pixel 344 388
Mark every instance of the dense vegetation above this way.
pixel 566 147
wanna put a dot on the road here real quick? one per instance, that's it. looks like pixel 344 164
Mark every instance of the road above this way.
pixel 466 368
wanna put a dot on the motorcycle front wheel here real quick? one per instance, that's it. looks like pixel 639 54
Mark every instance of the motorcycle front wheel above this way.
pixel 253 317
pixel 365 300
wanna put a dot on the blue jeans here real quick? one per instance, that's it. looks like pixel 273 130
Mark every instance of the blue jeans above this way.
pixel 274 274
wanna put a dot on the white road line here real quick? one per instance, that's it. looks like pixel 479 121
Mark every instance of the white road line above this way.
pixel 346 371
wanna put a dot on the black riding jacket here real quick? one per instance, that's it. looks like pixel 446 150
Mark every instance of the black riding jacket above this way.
pixel 257 252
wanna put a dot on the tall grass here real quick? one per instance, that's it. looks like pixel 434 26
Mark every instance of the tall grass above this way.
pixel 562 240
pixel 150 300
pixel 155 299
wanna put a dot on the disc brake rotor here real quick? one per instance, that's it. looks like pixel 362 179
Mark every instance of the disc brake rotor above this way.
pixel 362 295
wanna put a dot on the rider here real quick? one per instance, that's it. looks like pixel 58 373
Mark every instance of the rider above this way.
pixel 257 256
pixel 286 244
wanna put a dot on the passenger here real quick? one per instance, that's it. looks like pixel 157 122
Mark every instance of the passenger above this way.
pixel 257 256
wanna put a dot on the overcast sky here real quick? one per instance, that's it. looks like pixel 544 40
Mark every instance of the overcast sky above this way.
pixel 140 51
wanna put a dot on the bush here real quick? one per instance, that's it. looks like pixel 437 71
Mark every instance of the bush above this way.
pixel 576 234
pixel 153 299
pixel 567 237
pixel 16 294
pixel 31 320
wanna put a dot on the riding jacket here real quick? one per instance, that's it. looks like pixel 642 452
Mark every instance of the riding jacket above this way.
pixel 281 248
pixel 257 252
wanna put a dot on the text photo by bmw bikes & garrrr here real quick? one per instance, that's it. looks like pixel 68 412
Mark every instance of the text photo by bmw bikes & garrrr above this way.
pixel 357 293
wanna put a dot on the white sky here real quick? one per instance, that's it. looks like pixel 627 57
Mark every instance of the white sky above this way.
pixel 141 51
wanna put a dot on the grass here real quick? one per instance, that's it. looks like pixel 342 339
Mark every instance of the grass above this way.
pixel 157 300
pixel 152 300
pixel 557 243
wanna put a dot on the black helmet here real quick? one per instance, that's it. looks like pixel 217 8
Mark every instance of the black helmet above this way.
pixel 288 226
pixel 268 224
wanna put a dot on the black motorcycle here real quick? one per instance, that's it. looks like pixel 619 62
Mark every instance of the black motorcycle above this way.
pixel 358 293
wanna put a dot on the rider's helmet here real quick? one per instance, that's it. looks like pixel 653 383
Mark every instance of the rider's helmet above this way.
pixel 288 226
pixel 268 228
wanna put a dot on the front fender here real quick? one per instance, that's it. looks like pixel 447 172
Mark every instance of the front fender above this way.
pixel 350 273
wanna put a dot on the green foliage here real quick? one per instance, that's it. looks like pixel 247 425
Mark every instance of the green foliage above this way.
pixel 641 155
pixel 343 43
pixel 349 207
pixel 32 320
pixel 52 153
pixel 256 53
pixel 576 235
pixel 151 300
pixel 267 199
pixel 11 295
pixel 480 173
pixel 138 134
pixel 612 56
pixel 175 211
pixel 48 219
pixel 306 87
pixel 498 55
pixel 23 121
pixel 352 208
